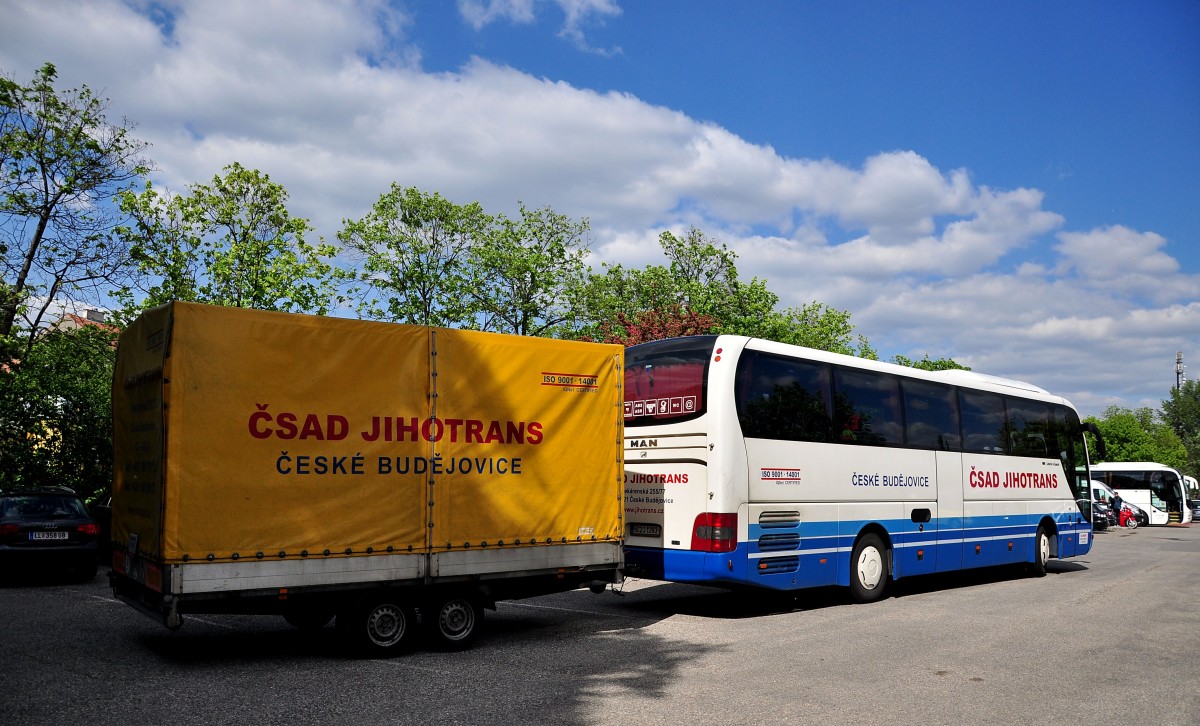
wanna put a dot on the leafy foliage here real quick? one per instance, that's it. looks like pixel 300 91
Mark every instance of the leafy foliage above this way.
pixel 524 271
pixel 1181 411
pixel 1138 435
pixel 701 278
pixel 656 324
pixel 60 161
pixel 413 250
pixel 231 242
pixel 925 364
pixel 55 413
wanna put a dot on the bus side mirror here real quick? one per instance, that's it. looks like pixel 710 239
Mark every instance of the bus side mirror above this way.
pixel 1094 430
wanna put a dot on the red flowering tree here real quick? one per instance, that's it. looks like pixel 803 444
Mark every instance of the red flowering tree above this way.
pixel 655 324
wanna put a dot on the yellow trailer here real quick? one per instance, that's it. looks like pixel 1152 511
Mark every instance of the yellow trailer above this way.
pixel 318 467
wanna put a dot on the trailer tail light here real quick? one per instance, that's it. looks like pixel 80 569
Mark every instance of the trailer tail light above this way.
pixel 715 532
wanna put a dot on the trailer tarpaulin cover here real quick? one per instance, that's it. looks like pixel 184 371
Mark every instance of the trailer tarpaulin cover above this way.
pixel 298 434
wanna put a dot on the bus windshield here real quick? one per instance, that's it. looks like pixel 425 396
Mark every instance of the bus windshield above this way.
pixel 665 379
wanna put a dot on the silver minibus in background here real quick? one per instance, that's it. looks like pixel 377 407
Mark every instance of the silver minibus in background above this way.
pixel 1158 489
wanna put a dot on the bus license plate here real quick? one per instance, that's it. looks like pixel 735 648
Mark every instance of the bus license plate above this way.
pixel 47 535
pixel 645 530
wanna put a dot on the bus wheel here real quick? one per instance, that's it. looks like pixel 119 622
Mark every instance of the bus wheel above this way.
pixel 868 569
pixel 378 626
pixel 455 621
pixel 1041 551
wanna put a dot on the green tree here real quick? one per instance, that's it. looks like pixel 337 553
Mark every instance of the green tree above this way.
pixel 232 242
pixel 55 413
pixel 525 271
pixel 925 364
pixel 61 160
pixel 1181 411
pixel 1137 435
pixel 701 278
pixel 413 250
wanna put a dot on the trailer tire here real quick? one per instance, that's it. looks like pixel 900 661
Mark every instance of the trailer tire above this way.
pixel 454 621
pixel 86 571
pixel 378 626
pixel 308 618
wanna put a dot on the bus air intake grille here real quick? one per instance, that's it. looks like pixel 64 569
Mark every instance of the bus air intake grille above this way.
pixel 779 542
pixel 776 565
pixel 779 520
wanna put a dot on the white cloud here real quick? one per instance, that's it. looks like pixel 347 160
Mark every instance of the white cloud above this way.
pixel 328 100
pixel 578 15
pixel 479 13
pixel 1124 263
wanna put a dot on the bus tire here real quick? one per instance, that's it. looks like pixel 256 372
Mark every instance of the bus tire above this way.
pixel 378 626
pixel 868 569
pixel 454 621
pixel 1041 551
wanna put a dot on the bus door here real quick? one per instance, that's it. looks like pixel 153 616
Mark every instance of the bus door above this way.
pixel 950 511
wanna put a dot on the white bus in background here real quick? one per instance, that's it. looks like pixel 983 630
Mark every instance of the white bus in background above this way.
pixel 753 463
pixel 1158 489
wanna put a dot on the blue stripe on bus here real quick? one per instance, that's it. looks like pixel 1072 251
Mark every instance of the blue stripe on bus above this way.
pixel 821 556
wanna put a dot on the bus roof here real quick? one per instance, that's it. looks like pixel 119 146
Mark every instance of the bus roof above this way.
pixel 1132 466
pixel 971 378
pixel 957 377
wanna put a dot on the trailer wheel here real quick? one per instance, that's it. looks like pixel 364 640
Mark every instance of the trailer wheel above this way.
pixel 308 618
pixel 455 621
pixel 86 571
pixel 868 569
pixel 378 626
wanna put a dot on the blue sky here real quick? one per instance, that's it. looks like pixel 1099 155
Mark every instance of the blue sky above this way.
pixel 1011 184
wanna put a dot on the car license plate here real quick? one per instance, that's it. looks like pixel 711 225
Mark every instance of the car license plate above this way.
pixel 645 530
pixel 47 535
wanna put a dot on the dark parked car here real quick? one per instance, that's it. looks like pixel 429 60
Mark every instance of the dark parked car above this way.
pixel 47 528
pixel 1095 512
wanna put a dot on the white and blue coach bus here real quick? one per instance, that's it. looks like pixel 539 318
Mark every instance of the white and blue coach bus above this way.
pixel 753 463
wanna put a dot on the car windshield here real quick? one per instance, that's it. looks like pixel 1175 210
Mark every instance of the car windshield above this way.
pixel 41 506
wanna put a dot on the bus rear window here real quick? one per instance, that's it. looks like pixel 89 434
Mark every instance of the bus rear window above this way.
pixel 665 379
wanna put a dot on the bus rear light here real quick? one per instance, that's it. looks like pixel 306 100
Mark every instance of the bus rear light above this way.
pixel 715 532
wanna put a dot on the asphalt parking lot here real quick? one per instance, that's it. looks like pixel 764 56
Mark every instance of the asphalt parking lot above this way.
pixel 1110 638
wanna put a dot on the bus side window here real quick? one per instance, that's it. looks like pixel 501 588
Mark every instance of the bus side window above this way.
pixel 982 422
pixel 867 408
pixel 930 416
pixel 1028 424
pixel 783 398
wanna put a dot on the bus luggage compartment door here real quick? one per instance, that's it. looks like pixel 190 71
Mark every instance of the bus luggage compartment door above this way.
pixel 662 500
